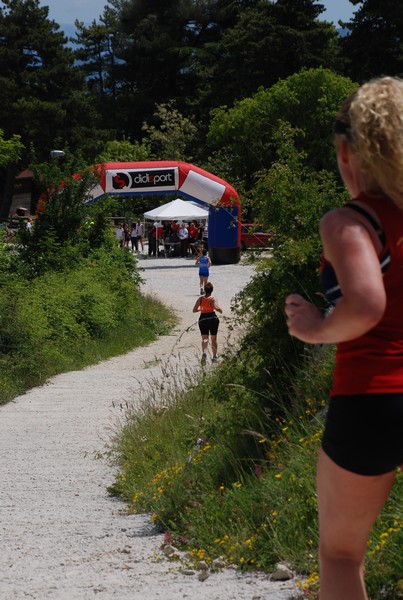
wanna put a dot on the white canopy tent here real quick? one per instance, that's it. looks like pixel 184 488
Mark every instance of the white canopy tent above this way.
pixel 177 210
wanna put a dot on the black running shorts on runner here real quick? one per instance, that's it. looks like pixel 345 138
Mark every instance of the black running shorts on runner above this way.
pixel 363 433
pixel 208 323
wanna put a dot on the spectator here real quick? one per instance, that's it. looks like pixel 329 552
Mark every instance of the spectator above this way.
pixel 126 236
pixel 193 232
pixel 133 238
pixel 152 242
pixel 184 238
pixel 139 232
pixel 119 234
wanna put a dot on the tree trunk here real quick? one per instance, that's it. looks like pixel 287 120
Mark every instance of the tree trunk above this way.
pixel 7 192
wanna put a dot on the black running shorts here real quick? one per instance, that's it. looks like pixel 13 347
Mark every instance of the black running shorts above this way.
pixel 363 433
pixel 208 323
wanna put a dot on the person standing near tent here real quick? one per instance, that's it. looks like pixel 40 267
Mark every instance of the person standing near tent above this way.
pixel 139 232
pixel 204 263
pixel 207 305
pixel 184 238
pixel 152 242
pixel 133 238
pixel 193 231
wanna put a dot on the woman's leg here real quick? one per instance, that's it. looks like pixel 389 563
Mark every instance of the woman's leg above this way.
pixel 348 507
pixel 205 343
pixel 214 345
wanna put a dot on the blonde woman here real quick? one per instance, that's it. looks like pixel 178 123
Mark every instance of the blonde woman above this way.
pixel 362 276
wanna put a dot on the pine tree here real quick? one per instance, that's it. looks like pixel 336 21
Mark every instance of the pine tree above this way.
pixel 43 92
pixel 373 45
pixel 269 41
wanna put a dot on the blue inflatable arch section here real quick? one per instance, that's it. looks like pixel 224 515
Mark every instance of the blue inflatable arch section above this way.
pixel 188 181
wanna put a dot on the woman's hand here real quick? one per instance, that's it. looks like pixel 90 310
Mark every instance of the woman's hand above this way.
pixel 304 320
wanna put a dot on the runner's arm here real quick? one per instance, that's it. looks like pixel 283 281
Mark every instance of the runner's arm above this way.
pixel 348 246
pixel 196 307
pixel 216 305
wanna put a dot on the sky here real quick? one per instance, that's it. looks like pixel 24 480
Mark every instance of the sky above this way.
pixel 87 10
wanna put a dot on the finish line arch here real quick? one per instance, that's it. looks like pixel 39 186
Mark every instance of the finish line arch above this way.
pixel 190 182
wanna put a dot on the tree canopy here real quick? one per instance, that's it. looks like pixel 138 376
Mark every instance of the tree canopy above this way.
pixel 43 92
pixel 374 43
pixel 10 150
pixel 307 100
pixel 175 75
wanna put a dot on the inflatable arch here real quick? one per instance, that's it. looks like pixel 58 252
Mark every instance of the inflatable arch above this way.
pixel 189 181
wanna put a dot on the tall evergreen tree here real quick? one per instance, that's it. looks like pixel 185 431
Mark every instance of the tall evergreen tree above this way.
pixel 99 47
pixel 43 94
pixel 269 41
pixel 374 43
pixel 158 54
pixel 97 52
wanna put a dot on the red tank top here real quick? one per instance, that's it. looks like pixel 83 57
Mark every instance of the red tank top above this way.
pixel 373 362
pixel 207 304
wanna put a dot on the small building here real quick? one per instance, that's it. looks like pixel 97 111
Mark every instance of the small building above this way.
pixel 21 203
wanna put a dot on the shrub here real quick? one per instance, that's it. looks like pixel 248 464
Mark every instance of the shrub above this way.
pixel 63 321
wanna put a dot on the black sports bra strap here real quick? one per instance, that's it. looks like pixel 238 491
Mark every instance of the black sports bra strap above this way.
pixel 379 231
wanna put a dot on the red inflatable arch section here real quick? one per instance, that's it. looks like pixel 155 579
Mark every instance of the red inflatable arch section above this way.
pixel 189 181
pixel 151 177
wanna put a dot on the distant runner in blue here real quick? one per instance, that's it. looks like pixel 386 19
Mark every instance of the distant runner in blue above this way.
pixel 204 263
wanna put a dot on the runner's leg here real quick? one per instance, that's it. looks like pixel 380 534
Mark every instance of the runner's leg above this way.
pixel 348 507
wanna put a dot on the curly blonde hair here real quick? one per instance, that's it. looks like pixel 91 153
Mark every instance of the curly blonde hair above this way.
pixel 372 120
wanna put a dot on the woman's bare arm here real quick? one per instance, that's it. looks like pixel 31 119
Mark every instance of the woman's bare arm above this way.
pixel 196 307
pixel 348 246
pixel 216 306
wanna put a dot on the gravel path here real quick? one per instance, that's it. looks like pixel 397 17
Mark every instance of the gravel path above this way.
pixel 62 537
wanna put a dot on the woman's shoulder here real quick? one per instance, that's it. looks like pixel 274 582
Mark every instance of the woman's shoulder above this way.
pixel 337 218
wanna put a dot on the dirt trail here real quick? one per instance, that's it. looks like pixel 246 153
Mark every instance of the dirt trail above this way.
pixel 62 536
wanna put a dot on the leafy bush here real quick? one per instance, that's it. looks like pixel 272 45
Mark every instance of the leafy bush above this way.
pixel 292 198
pixel 65 231
pixel 63 321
